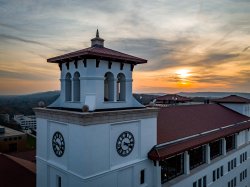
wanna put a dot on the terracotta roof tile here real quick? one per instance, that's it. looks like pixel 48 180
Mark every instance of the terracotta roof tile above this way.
pixel 13 174
pixel 178 122
pixel 232 99
pixel 101 52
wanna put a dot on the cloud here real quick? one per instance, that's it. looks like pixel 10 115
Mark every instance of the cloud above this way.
pixel 22 75
pixel 8 26
pixel 158 52
pixel 217 58
pixel 246 48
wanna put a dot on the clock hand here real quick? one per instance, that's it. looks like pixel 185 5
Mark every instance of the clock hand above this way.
pixel 125 143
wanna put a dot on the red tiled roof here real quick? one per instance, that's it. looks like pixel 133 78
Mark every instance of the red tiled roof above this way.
pixel 175 148
pixel 173 97
pixel 99 52
pixel 232 99
pixel 178 122
pixel 13 174
pixel 26 155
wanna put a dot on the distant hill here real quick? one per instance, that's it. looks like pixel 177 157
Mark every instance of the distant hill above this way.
pixel 213 94
pixel 23 104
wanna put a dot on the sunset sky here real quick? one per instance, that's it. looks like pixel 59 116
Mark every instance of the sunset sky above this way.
pixel 190 45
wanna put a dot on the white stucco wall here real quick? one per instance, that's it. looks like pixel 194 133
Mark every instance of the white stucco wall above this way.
pixel 240 108
pixel 92 85
pixel 90 158
pixel 207 169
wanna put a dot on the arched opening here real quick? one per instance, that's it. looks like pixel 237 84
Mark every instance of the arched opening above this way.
pixel 76 84
pixel 109 87
pixel 121 87
pixel 68 87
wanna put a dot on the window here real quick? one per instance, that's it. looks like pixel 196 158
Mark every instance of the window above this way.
pixel 109 87
pixel 232 183
pixel 197 157
pixel 230 142
pixel 243 157
pixel 142 177
pixel 231 164
pixel 215 149
pixel 58 181
pixel 68 87
pixel 76 85
pixel 217 173
pixel 243 175
pixel 201 182
pixel 121 87
pixel 172 168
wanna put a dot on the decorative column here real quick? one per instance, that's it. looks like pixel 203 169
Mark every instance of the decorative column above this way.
pixel 224 146
pixel 236 140
pixel 208 154
pixel 115 89
pixel 246 134
pixel 157 173
pixel 186 163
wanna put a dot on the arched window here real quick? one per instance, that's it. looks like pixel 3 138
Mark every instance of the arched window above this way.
pixel 68 87
pixel 109 87
pixel 76 84
pixel 121 87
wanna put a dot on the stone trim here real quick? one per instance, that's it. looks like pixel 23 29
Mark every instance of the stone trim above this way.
pixel 93 118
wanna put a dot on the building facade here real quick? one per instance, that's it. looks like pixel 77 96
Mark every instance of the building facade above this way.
pixel 12 140
pixel 96 134
pixel 25 122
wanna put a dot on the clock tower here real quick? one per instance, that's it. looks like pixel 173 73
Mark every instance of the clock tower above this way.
pixel 95 133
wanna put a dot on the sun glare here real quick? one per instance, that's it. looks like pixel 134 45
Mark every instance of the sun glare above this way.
pixel 182 77
pixel 183 73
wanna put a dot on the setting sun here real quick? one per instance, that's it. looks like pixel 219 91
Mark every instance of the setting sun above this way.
pixel 183 73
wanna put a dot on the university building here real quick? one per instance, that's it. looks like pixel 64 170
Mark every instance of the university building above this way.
pixel 96 134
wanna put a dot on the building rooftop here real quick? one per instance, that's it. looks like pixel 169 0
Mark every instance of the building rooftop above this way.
pixel 173 97
pixel 97 50
pixel 232 99
pixel 184 127
pixel 10 132
pixel 13 174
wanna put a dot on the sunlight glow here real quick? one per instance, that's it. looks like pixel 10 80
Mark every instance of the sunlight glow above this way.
pixel 183 73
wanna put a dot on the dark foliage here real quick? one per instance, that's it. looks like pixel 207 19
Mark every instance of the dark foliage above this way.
pixel 23 104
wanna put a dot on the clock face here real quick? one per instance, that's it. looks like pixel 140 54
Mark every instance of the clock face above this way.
pixel 58 144
pixel 125 143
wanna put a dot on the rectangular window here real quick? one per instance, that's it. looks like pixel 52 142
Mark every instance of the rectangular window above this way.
pixel 214 176
pixel 58 181
pixel 142 177
pixel 234 162
pixel 172 167
pixel 234 181
pixel 218 173
pixel 195 184
pixel 228 166
pixel 230 142
pixel 205 181
pixel 221 171
pixel 215 149
pixel 199 183
pixel 197 157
